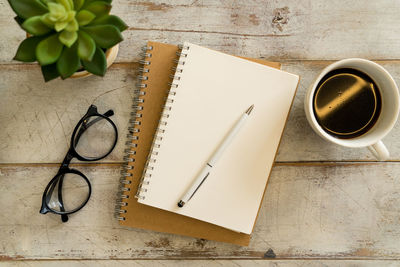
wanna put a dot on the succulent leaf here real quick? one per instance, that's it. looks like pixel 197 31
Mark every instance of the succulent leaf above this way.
pixel 50 72
pixel 70 15
pixel 35 26
pixel 27 48
pixel 72 25
pixel 105 36
pixel 98 65
pixel 78 4
pixel 67 4
pixel 86 46
pixel 67 35
pixel 68 38
pixel 99 8
pixel 46 19
pixel 71 3
pixel 47 1
pixel 111 20
pixel 88 2
pixel 57 11
pixel 49 50
pixel 59 26
pixel 84 17
pixel 28 8
pixel 69 62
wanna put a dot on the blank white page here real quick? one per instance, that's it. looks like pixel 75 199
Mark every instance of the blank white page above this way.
pixel 214 90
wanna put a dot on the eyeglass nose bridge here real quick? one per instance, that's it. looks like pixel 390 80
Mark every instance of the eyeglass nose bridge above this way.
pixel 67 160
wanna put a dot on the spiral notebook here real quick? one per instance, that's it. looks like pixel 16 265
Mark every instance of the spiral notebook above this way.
pixel 209 92
pixel 149 101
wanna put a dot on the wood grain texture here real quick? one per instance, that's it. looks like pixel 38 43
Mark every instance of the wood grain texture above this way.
pixel 38 118
pixel 201 263
pixel 322 211
pixel 272 29
pixel 313 212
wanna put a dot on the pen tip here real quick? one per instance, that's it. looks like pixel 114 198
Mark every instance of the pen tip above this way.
pixel 248 111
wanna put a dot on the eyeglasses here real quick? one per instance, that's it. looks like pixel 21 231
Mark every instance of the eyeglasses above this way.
pixel 93 138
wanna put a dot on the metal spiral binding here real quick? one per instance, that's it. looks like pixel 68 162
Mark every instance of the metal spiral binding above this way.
pixel 152 158
pixel 131 143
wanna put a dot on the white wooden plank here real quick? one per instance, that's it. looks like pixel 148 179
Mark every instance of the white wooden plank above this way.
pixel 37 118
pixel 322 211
pixel 273 29
pixel 201 263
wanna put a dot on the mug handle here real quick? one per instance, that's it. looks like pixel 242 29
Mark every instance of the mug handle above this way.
pixel 379 150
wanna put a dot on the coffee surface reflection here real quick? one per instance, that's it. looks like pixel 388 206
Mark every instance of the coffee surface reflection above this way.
pixel 347 103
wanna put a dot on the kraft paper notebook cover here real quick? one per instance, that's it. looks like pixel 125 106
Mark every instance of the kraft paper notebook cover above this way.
pixel 142 216
pixel 210 92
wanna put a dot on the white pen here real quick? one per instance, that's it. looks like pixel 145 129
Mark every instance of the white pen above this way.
pixel 205 172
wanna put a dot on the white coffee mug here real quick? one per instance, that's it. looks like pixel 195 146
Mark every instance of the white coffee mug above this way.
pixel 389 111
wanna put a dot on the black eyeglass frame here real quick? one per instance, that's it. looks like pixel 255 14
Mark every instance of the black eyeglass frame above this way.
pixel 79 129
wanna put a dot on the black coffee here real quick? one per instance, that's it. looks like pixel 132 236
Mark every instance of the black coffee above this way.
pixel 347 103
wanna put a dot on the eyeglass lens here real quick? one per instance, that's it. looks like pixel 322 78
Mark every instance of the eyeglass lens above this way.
pixel 74 193
pixel 95 137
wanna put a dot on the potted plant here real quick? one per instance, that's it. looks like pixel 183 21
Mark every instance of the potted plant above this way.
pixel 68 38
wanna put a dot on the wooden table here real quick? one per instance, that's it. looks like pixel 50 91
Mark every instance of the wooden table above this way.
pixel 324 204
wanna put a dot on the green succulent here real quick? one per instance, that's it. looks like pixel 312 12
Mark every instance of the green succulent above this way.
pixel 67 35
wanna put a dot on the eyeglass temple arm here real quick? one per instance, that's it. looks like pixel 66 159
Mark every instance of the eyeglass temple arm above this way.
pixel 64 217
pixel 58 182
pixel 86 125
pixel 46 198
